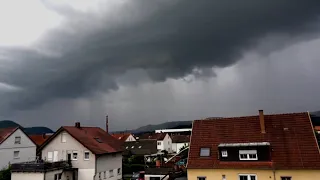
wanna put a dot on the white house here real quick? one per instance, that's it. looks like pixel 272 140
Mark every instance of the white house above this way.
pixel 15 146
pixel 127 137
pixel 179 141
pixel 92 151
pixel 164 141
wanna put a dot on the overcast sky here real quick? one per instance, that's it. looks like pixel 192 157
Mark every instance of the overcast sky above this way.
pixel 147 62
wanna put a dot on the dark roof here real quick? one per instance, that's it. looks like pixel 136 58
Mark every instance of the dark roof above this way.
pixel 95 139
pixel 180 138
pixel 6 132
pixel 155 136
pixel 291 138
pixel 39 139
pixel 142 147
pixel 121 137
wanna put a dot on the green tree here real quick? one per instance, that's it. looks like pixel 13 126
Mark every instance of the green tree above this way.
pixel 5 174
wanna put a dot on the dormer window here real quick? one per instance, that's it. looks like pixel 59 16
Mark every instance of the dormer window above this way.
pixel 224 153
pixel 248 155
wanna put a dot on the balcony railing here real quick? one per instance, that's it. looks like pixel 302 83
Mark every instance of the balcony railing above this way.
pixel 39 166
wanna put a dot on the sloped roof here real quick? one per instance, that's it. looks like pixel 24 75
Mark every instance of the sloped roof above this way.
pixel 6 132
pixel 39 139
pixel 95 139
pixel 121 137
pixel 155 136
pixel 180 138
pixel 291 138
pixel 142 147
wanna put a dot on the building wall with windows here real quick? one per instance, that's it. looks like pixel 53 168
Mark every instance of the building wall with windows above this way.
pixel 64 144
pixel 165 144
pixel 177 146
pixel 17 148
pixel 109 166
pixel 233 174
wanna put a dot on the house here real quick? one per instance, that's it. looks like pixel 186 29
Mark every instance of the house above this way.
pixel 140 148
pixel 182 131
pixel 125 137
pixel 262 147
pixel 179 141
pixel 93 152
pixel 15 146
pixel 164 141
pixel 39 139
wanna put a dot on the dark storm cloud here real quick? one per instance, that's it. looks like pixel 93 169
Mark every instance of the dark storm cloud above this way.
pixel 166 39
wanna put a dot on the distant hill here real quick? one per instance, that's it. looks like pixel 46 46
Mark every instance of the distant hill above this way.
pixel 28 130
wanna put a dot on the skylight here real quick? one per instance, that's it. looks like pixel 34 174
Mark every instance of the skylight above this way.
pixel 98 140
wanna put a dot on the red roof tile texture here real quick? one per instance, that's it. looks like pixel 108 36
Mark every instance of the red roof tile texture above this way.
pixel 155 136
pixel 95 139
pixel 39 139
pixel 291 137
pixel 6 132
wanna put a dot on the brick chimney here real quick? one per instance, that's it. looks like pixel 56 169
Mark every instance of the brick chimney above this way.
pixel 262 124
pixel 107 124
pixel 77 124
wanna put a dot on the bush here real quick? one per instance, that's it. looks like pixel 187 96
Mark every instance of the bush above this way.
pixel 131 168
pixel 5 174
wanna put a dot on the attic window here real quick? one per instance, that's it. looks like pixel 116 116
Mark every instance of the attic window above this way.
pixel 139 147
pixel 224 153
pixel 204 152
pixel 127 147
pixel 132 147
pixel 98 140
pixel 248 155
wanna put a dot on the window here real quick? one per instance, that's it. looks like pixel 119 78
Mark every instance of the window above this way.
pixel 202 178
pixel 285 178
pixel 132 147
pixel 16 154
pixel 224 153
pixel 58 176
pixel 74 155
pixel 155 178
pixel 17 140
pixel 205 152
pixel 105 175
pixel 139 147
pixel 119 171
pixel 99 175
pixel 86 155
pixel 127 147
pixel 224 177
pixel 110 173
pixel 63 137
pixel 247 177
pixel 159 143
pixel 248 155
pixel 50 156
pixel 98 140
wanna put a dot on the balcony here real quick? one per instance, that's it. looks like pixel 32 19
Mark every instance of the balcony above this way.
pixel 40 166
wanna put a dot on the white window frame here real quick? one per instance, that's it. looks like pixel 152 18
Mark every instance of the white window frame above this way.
pixel 15 140
pixel 205 148
pixel 104 175
pixel 16 157
pixel 63 137
pixel 84 155
pixel 224 153
pixel 111 173
pixel 99 175
pixel 247 153
pixel 201 177
pixel 50 156
pixel 159 143
pixel 248 176
pixel 73 152
pixel 119 171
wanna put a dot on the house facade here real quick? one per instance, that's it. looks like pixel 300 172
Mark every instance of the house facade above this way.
pixel 164 141
pixel 179 141
pixel 93 152
pixel 15 146
pixel 263 147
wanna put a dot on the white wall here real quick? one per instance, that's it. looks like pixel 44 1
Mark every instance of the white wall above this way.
pixel 27 149
pixel 108 162
pixel 147 176
pixel 167 144
pixel 27 176
pixel 86 168
pixel 176 146
pixel 130 138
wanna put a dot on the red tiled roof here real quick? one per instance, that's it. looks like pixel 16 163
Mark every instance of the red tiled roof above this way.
pixel 39 139
pixel 317 128
pixel 121 137
pixel 180 138
pixel 156 136
pixel 291 138
pixel 95 139
pixel 6 132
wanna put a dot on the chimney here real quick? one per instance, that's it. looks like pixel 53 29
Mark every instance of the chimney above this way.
pixel 107 124
pixel 262 124
pixel 77 124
